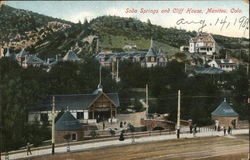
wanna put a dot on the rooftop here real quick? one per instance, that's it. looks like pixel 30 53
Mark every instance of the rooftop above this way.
pixel 71 56
pixel 225 110
pixel 67 122
pixel 73 101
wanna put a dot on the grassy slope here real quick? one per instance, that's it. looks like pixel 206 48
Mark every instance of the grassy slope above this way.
pixel 142 43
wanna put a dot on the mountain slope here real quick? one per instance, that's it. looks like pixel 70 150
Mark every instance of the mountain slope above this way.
pixel 48 39
pixel 134 29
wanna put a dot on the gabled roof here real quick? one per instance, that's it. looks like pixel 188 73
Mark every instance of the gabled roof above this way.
pixel 22 53
pixel 151 52
pixel 202 37
pixel 225 110
pixel 224 61
pixel 161 55
pixel 73 101
pixel 71 56
pixel 8 54
pixel 67 122
pixel 33 60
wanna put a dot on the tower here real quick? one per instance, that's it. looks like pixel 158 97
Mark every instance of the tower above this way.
pixel 151 56
pixel 99 87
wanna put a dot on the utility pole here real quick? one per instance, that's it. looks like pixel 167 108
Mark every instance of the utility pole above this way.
pixel 113 70
pixel 185 67
pixel 117 71
pixel 53 126
pixel 178 114
pixel 1 131
pixel 146 100
pixel 97 45
pixel 247 69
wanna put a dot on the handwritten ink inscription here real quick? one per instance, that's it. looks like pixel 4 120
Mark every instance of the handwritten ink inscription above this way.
pixel 223 23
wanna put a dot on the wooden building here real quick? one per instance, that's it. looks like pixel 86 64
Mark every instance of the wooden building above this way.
pixel 86 108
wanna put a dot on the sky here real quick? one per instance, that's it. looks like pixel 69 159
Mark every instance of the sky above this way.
pixel 228 24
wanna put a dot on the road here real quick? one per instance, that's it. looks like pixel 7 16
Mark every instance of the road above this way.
pixel 116 143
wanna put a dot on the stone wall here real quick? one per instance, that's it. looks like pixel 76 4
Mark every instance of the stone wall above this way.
pixel 151 124
pixel 59 136
pixel 133 118
pixel 225 121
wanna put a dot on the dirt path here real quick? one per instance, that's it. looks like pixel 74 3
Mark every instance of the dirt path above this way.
pixel 184 149
pixel 219 151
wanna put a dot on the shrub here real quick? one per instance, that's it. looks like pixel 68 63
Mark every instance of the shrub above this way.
pixel 93 134
pixel 112 132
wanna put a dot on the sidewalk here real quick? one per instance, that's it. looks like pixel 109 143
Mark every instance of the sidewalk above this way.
pixel 95 145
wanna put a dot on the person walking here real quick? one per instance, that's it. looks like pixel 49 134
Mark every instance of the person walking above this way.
pixel 28 149
pixel 121 136
pixel 103 125
pixel 194 130
pixel 225 130
pixel 229 130
pixel 191 129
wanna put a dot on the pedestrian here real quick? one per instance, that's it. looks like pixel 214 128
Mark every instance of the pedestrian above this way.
pixel 195 128
pixel 229 130
pixel 225 130
pixel 28 149
pixel 191 128
pixel 103 125
pixel 121 124
pixel 121 136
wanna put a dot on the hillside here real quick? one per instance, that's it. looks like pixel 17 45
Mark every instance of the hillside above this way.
pixel 20 28
pixel 47 36
pixel 18 21
pixel 115 32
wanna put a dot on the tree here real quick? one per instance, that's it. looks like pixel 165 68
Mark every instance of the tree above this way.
pixel 150 27
pixel 85 24
pixel 67 138
pixel 94 134
pixel 138 106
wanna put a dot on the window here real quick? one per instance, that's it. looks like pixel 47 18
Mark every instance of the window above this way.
pixel 73 136
pixel 79 115
pixel 44 117
pixel 152 59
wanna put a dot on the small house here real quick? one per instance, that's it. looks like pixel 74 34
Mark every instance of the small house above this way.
pixel 223 64
pixel 71 56
pixel 67 124
pixel 225 115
